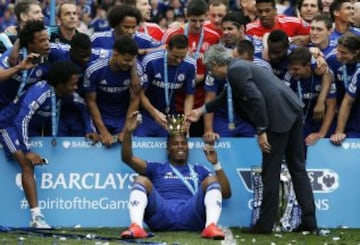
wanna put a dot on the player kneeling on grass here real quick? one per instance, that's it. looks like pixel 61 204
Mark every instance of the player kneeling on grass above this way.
pixel 175 195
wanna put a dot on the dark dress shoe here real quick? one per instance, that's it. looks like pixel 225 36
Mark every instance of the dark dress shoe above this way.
pixel 309 228
pixel 257 230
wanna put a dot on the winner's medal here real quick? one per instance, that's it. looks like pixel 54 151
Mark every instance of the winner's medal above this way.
pixel 231 126
pixel 55 115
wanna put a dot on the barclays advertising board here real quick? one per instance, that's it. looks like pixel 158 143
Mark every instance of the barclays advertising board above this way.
pixel 89 185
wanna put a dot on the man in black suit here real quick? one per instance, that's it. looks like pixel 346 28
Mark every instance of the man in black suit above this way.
pixel 276 112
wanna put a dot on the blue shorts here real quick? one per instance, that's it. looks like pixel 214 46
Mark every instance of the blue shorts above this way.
pixel 114 126
pixel 10 141
pixel 175 215
pixel 352 134
pixel 71 124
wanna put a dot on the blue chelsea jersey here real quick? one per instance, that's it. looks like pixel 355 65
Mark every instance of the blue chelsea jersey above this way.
pixel 111 88
pixel 308 90
pixel 31 109
pixel 169 185
pixel 353 90
pixel 179 77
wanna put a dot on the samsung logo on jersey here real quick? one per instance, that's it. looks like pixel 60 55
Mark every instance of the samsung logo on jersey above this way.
pixel 113 89
pixel 86 181
pixel 30 80
pixel 161 84
pixel 170 175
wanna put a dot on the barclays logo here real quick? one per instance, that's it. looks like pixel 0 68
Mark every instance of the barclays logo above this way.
pixel 351 146
pixel 66 144
pixel 18 181
pixel 345 145
pixel 82 181
pixel 201 145
pixel 191 145
pixel 36 144
pixel 149 144
pixel 79 144
pixel 322 180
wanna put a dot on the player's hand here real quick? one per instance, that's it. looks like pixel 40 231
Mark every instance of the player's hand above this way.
pixel 194 115
pixel 11 29
pixel 176 25
pixel 210 137
pixel 132 121
pixel 263 143
pixel 33 158
pixel 321 66
pixel 210 153
pixel 316 52
pixel 106 138
pixel 94 137
pixel 28 62
pixel 160 118
pixel 337 138
pixel 312 138
pixel 300 40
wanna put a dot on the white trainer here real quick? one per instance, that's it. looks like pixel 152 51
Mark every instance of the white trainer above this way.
pixel 39 223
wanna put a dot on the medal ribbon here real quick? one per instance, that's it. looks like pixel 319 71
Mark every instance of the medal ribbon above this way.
pixel 301 96
pixel 145 29
pixel 291 217
pixel 24 74
pixel 299 88
pixel 230 106
pixel 345 76
pixel 292 214
pixel 201 39
pixel 55 115
pixel 166 83
pixel 192 189
pixel 257 193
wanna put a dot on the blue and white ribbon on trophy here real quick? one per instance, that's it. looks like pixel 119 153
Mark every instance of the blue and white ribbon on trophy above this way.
pixel 258 188
pixel 290 212
pixel 291 216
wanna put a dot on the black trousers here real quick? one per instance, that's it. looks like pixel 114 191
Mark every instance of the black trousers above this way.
pixel 291 145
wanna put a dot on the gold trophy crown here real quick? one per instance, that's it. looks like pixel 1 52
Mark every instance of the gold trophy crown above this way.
pixel 176 124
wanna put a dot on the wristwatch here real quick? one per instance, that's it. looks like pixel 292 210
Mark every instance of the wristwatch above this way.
pixel 260 130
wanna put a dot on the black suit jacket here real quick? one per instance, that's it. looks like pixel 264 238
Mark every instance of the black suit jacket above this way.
pixel 264 99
